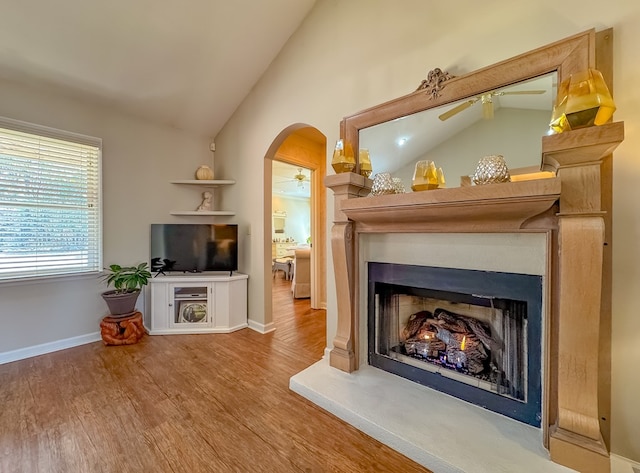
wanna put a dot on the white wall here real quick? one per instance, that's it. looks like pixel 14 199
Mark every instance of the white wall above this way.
pixel 352 54
pixel 139 159
pixel 298 221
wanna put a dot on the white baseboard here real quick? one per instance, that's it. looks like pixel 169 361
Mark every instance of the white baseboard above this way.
pixel 623 465
pixel 258 327
pixel 28 352
pixel 327 353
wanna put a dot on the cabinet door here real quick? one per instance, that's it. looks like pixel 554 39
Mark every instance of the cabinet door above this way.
pixel 192 306
pixel 161 306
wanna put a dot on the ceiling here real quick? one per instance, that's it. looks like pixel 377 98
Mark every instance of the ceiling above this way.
pixel 290 181
pixel 187 64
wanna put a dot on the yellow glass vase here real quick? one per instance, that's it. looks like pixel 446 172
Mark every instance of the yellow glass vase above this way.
pixel 425 176
pixel 365 162
pixel 583 100
pixel 343 158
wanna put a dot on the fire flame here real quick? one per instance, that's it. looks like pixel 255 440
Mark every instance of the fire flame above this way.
pixel 463 343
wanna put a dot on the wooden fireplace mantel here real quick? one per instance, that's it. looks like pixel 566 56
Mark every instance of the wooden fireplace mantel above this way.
pixel 462 209
pixel 573 208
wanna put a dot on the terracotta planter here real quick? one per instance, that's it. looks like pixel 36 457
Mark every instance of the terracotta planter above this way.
pixel 121 303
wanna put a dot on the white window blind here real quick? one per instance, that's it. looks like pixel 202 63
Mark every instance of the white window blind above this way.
pixel 50 209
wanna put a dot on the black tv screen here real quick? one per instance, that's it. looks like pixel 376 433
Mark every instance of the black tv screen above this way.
pixel 194 247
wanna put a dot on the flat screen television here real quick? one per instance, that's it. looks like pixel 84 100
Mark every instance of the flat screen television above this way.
pixel 194 248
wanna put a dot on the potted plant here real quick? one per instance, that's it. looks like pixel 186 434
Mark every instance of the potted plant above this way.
pixel 127 282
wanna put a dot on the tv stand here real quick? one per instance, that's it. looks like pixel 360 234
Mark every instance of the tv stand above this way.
pixel 197 303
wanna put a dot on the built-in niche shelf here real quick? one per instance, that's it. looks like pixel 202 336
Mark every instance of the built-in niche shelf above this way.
pixel 203 213
pixel 204 183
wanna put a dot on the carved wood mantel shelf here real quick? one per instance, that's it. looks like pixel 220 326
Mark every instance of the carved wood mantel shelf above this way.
pixel 458 209
pixel 574 209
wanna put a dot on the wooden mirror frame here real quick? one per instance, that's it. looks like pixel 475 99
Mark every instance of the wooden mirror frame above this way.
pixel 565 57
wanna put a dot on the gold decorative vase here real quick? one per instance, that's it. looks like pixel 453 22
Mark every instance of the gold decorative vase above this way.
pixel 365 162
pixel 204 173
pixel 426 176
pixel 583 100
pixel 343 158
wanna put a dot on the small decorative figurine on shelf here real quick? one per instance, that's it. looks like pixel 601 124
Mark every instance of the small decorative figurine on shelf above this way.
pixel 206 201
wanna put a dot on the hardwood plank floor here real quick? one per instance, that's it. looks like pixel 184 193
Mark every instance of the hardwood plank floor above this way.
pixel 183 403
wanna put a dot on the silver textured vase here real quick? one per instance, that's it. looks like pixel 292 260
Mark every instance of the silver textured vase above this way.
pixel 398 185
pixel 490 170
pixel 383 184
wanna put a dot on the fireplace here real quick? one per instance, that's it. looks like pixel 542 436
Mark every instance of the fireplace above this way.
pixel 572 210
pixel 475 335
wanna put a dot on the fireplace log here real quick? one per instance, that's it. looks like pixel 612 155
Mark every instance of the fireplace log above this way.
pixel 415 323
pixel 446 330
pixel 469 324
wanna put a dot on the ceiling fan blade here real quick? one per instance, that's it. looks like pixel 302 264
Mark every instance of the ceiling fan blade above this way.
pixel 457 109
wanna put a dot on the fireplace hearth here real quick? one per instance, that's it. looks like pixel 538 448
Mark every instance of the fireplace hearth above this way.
pixel 475 335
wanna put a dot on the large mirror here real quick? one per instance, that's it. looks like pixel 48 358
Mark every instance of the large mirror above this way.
pixel 538 70
pixel 455 136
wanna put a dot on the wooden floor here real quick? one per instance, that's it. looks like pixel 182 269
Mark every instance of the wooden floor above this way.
pixel 183 403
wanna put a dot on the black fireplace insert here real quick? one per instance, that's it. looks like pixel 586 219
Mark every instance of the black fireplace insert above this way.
pixel 475 335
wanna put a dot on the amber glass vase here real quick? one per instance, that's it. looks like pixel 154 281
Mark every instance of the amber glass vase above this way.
pixel 365 162
pixel 425 176
pixel 583 100
pixel 343 158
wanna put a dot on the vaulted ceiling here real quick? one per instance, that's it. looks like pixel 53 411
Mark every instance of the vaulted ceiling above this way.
pixel 185 63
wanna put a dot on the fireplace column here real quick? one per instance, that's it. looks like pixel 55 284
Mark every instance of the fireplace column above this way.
pixel 576 439
pixel 346 185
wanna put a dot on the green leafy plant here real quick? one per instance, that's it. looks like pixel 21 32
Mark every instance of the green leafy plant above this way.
pixel 127 278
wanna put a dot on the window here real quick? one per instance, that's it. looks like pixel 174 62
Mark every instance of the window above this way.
pixel 50 211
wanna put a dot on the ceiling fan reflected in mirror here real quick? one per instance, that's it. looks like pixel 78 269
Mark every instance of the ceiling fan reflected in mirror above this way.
pixel 300 178
pixel 487 102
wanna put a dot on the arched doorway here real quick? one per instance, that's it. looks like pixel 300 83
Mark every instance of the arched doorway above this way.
pixel 304 146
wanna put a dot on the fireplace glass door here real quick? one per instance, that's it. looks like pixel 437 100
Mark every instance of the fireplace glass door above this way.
pixel 471 334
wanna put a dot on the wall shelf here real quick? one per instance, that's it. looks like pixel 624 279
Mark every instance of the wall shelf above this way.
pixel 206 183
pixel 203 213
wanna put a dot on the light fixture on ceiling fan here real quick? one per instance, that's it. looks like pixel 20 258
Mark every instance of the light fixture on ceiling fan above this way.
pixel 487 103
pixel 300 178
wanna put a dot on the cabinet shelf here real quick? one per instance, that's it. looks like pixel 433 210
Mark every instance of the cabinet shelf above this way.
pixel 206 183
pixel 203 213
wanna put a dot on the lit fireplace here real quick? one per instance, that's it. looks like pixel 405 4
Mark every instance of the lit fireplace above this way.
pixel 475 335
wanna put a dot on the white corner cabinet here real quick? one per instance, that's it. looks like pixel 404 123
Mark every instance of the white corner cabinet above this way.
pixel 204 184
pixel 198 303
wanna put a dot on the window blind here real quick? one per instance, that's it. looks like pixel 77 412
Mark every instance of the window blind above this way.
pixel 50 209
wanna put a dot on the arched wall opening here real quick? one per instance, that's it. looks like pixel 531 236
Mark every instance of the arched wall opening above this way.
pixel 305 146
